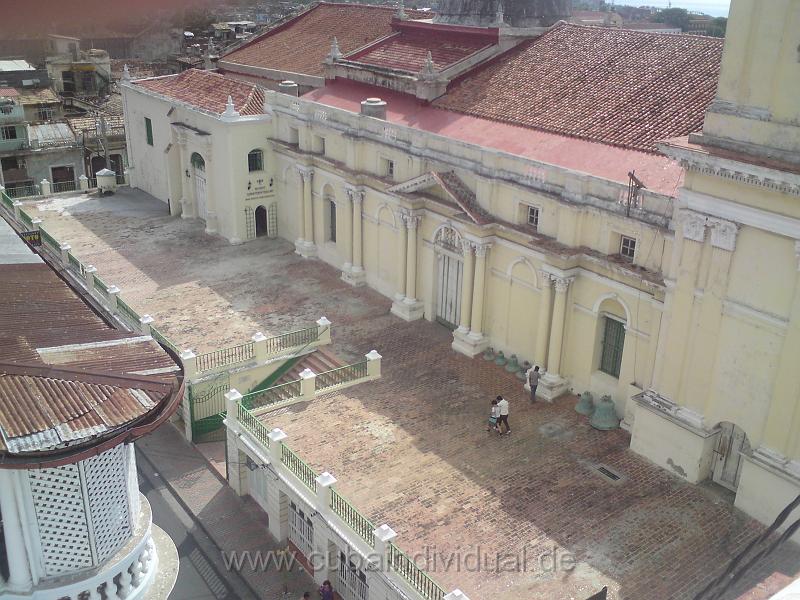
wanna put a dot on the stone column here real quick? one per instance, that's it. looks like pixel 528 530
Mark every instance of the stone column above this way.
pixel 358 264
pixel 476 323
pixel 411 265
pixel 306 247
pixel 466 287
pixel 545 316
pixel 552 384
pixel 19 578
pixel 402 249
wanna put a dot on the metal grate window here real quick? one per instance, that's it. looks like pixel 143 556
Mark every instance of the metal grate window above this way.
pixel 108 501
pixel 533 216
pixel 301 530
pixel 331 221
pixel 148 129
pixel 250 223
pixel 352 580
pixel 272 220
pixel 627 247
pixel 8 132
pixel 255 161
pixel 613 342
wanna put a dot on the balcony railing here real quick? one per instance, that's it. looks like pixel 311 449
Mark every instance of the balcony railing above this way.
pixel 22 191
pixel 341 375
pixel 272 396
pixel 299 468
pixel 225 357
pixel 253 425
pixel 400 562
pixel 293 339
pixel 63 186
pixel 354 519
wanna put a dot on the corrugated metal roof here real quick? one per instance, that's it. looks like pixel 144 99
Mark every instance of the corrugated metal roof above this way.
pixel 52 134
pixel 66 375
pixel 16 65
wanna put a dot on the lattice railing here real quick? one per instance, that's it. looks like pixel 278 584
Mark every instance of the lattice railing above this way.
pixel 293 339
pixel 6 200
pixel 100 286
pixel 346 374
pixel 23 191
pixel 272 395
pixel 225 356
pixel 63 186
pixel 354 519
pixel 402 564
pixel 75 264
pixel 299 468
pixel 50 241
pixel 26 219
pixel 252 424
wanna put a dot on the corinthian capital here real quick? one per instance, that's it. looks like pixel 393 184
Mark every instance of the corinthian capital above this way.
pixel 723 234
pixel 562 283
pixel 307 173
pixel 481 250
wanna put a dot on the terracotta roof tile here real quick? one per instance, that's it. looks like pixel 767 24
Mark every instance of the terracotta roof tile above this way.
pixel 614 86
pixel 301 44
pixel 408 50
pixel 207 91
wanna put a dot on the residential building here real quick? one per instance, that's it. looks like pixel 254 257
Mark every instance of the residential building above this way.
pixel 75 393
pixel 80 72
pixel 536 202
pixel 20 73
pixel 38 149
pixel 597 18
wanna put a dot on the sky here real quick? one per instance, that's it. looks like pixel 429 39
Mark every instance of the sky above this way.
pixel 717 8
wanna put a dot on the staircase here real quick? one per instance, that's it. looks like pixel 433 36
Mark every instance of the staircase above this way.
pixel 319 361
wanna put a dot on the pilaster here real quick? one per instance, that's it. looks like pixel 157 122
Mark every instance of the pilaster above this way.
pixel 355 275
pixel 475 342
pixel 305 246
pixel 552 384
pixel 545 317
pixel 409 308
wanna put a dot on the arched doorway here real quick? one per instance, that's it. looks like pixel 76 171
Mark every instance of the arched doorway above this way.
pixel 727 467
pixel 449 275
pixel 199 176
pixel 262 225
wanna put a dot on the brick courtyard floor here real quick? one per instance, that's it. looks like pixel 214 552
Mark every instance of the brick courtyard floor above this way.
pixel 410 450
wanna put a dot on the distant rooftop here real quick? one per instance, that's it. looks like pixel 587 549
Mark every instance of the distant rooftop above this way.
pixel 15 65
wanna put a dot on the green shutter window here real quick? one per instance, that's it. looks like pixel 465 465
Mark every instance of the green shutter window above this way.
pixel 613 343
pixel 148 126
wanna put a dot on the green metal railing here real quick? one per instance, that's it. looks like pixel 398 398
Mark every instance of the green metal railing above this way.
pixel 164 340
pixel 26 219
pixel 354 519
pixel 7 201
pixel 299 468
pixel 100 286
pixel 401 563
pixel 345 374
pixel 225 356
pixel 126 311
pixel 75 264
pixel 49 240
pixel 251 423
pixel 293 339
pixel 272 395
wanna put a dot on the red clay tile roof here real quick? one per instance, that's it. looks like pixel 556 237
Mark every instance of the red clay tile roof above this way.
pixel 613 86
pixel 208 91
pixel 6 92
pixel 407 50
pixel 301 44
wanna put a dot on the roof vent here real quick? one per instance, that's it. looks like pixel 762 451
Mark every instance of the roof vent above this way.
pixel 289 87
pixel 374 107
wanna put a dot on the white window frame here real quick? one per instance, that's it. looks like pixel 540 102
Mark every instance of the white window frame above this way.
pixel 528 209
pixel 622 245
pixel 387 167
pixel 6 128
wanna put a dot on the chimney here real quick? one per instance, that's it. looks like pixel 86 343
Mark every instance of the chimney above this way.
pixel 374 107
pixel 289 87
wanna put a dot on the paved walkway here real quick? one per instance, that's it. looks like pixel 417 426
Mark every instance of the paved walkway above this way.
pixel 233 523
pixel 410 449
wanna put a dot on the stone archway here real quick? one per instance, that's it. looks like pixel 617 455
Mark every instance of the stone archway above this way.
pixel 262 224
pixel 199 176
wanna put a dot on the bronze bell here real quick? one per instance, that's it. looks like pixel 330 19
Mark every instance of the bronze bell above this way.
pixel 513 364
pixel 585 405
pixel 605 415
pixel 488 354
pixel 500 360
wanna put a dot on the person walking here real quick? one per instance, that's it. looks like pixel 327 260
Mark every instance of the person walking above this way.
pixel 502 403
pixel 326 590
pixel 533 381
pixel 493 416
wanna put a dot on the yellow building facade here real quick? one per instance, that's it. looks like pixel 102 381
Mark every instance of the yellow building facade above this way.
pixel 679 300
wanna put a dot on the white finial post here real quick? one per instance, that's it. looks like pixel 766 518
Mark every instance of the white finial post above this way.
pixel 401 11
pixel 230 110
pixel 335 54
pixel 429 69
pixel 500 16
pixel 126 74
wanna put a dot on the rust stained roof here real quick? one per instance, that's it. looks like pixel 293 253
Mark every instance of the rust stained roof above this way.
pixel 614 86
pixel 66 376
pixel 42 408
pixel 207 91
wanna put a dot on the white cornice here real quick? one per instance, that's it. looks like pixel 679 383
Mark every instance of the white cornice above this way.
pixel 740 213
pixel 743 172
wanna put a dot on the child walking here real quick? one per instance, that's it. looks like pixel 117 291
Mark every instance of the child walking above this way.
pixel 494 415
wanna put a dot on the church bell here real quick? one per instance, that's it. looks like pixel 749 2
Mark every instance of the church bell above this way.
pixel 605 415
pixel 585 405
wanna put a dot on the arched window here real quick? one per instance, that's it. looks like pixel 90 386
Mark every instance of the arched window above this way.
pixel 255 160
pixel 197 162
